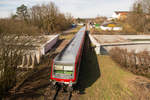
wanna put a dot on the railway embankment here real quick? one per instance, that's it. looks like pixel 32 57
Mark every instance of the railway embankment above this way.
pixel 34 83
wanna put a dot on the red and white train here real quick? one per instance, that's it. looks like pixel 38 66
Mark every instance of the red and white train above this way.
pixel 66 65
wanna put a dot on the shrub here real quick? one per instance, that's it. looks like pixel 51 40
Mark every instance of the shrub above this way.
pixel 12 26
pixel 138 63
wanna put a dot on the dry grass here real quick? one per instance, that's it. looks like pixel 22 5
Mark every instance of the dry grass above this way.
pixel 75 30
pixel 98 31
pixel 66 37
pixel 10 26
pixel 110 85
pixel 70 33
pixel 128 29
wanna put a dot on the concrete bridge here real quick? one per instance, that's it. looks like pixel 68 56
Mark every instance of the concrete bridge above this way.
pixel 137 46
pixel 127 43
pixel 34 56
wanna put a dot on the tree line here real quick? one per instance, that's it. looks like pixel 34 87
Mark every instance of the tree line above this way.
pixel 39 19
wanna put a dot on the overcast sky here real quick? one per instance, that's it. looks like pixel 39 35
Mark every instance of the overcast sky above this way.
pixel 78 8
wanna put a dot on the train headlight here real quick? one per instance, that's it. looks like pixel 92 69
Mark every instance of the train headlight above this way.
pixel 68 68
pixel 70 84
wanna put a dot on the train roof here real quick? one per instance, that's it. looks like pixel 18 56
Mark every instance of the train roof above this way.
pixel 68 54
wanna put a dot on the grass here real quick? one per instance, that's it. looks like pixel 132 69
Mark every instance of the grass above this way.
pixel 66 37
pixel 107 32
pixel 102 79
pixel 75 30
pixel 110 85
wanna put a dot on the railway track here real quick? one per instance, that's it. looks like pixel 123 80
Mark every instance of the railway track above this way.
pixel 57 94
pixel 61 95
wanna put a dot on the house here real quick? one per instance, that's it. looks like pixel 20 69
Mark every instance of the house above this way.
pixel 120 15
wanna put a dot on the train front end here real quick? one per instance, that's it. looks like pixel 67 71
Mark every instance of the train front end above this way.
pixel 63 74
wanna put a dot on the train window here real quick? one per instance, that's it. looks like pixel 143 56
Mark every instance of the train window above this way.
pixel 68 68
pixel 59 69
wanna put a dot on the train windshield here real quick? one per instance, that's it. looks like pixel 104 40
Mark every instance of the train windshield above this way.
pixel 63 69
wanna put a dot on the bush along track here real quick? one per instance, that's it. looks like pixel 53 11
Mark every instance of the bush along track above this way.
pixel 138 63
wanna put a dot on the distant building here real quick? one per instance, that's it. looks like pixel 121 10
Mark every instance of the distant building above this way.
pixel 120 15
pixel 110 26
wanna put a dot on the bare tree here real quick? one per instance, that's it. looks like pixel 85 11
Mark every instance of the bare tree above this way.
pixel 41 18
pixel 139 18
pixel 146 6
pixel 49 18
